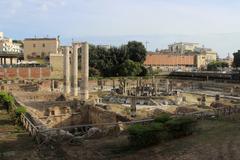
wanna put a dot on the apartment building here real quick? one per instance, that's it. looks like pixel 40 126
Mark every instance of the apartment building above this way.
pixel 40 47
pixel 7 46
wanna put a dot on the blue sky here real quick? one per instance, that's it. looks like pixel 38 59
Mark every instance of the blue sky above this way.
pixel 214 23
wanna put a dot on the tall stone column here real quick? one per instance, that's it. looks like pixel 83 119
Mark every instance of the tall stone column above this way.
pixel 66 67
pixel 84 71
pixel 133 107
pixel 75 69
pixel 167 86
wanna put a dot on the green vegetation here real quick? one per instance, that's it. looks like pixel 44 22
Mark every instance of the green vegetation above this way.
pixel 126 60
pixel 142 136
pixel 164 117
pixel 216 66
pixel 18 112
pixel 7 101
pixel 180 127
pixel 164 128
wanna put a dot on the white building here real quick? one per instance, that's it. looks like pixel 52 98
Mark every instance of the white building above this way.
pixel 7 45
pixel 183 47
pixel 1 35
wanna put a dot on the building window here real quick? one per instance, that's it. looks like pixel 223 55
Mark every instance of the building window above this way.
pixel 43 45
pixel 34 45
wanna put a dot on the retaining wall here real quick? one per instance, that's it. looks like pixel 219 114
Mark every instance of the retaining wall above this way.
pixel 25 73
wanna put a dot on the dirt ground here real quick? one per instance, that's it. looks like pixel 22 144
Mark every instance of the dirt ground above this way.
pixel 15 143
pixel 213 140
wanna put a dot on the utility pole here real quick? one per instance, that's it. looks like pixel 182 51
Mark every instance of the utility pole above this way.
pixel 146 45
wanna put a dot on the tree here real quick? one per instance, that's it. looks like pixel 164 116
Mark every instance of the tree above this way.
pixel 236 60
pixel 136 51
pixel 130 68
pixel 117 61
pixel 93 72
pixel 216 65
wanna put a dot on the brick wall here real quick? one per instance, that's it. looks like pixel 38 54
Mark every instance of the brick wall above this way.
pixel 35 73
pixel 11 73
pixel 46 72
pixel 25 73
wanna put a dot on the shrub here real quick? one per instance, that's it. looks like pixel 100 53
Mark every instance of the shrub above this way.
pixel 6 100
pixel 164 117
pixel 20 110
pixel 179 127
pixel 146 135
pixel 17 113
pixel 153 133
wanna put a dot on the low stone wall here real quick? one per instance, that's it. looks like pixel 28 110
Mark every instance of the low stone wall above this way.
pixel 36 96
pixel 99 115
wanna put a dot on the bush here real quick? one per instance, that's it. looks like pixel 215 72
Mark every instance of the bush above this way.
pixel 20 110
pixel 179 127
pixel 6 100
pixel 17 113
pixel 141 136
pixel 164 117
pixel 162 129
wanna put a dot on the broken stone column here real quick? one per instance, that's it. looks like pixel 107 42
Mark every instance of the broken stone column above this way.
pixel 154 86
pixel 75 69
pixel 232 91
pixel 203 101
pixel 133 107
pixel 122 85
pixel 113 84
pixel 217 98
pixel 84 71
pixel 138 88
pixel 179 98
pixel 167 86
pixel 52 85
pixel 67 87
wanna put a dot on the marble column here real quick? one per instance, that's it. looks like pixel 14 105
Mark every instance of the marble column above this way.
pixel 75 69
pixel 84 71
pixel 67 87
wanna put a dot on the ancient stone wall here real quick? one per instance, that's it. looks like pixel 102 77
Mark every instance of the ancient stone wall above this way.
pixel 25 73
pixel 99 115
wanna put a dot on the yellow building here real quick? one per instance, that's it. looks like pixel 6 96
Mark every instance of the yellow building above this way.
pixel 56 63
pixel 203 59
pixel 40 47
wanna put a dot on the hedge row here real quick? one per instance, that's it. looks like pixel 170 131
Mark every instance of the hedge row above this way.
pixel 164 128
